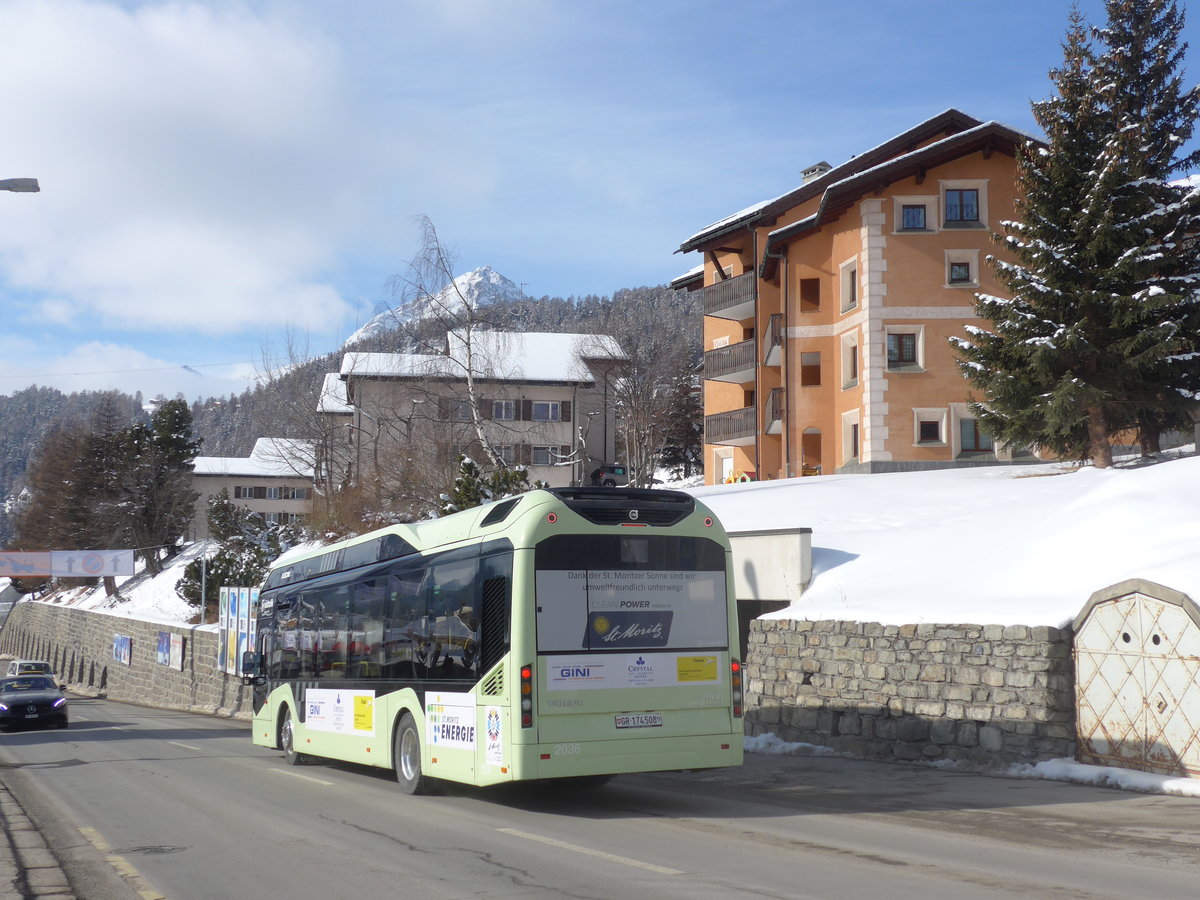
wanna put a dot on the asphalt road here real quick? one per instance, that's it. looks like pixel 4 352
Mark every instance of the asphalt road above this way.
pixel 183 806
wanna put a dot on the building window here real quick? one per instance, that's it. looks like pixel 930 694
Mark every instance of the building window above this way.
pixel 849 278
pixel 854 441
pixel 460 410
pixel 974 440
pixel 929 427
pixel 810 369
pixel 901 350
pixel 810 294
pixel 912 217
pixel 962 206
pixel 546 411
pixel 507 452
pixel 504 409
pixel 543 456
pixel 914 213
pixel 962 268
pixel 849 360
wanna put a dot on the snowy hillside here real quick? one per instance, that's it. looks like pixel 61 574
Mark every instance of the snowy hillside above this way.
pixel 996 545
pixel 478 289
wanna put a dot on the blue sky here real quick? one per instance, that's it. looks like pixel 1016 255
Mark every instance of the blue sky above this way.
pixel 223 181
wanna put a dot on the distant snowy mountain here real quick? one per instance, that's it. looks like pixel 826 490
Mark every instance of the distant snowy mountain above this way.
pixel 480 288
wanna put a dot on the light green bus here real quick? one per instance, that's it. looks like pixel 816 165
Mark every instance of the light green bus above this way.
pixel 565 633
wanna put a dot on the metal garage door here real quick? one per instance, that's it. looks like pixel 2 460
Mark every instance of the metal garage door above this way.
pixel 1137 679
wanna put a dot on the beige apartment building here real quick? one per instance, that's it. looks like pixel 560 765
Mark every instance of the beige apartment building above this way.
pixel 543 402
pixel 275 481
pixel 829 309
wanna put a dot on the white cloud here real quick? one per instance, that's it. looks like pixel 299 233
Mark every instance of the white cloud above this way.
pixel 199 166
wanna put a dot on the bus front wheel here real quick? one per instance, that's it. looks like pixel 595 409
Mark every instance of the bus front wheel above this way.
pixel 406 755
pixel 287 741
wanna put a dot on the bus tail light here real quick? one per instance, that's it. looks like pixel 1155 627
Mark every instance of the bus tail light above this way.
pixel 735 682
pixel 527 696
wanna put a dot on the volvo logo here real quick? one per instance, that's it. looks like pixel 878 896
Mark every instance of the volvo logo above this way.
pixel 633 514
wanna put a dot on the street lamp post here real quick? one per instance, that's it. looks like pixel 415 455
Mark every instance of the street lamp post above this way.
pixel 20 185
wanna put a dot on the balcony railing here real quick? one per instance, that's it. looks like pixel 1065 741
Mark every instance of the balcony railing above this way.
pixel 732 298
pixel 776 409
pixel 773 341
pixel 734 363
pixel 736 427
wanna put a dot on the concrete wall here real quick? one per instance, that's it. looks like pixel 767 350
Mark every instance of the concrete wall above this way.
pixel 80 645
pixel 987 695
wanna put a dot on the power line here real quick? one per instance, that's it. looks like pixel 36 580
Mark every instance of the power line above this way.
pixel 191 369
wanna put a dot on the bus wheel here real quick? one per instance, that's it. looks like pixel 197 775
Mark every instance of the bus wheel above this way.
pixel 406 755
pixel 287 741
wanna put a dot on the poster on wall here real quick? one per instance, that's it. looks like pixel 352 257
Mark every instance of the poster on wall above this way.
pixel 243 624
pixel 170 650
pixel 163 652
pixel 237 623
pixel 222 630
pixel 122 648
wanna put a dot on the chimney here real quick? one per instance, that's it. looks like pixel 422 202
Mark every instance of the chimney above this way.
pixel 815 171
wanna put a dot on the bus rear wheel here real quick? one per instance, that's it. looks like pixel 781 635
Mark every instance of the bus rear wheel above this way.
pixel 406 756
pixel 287 741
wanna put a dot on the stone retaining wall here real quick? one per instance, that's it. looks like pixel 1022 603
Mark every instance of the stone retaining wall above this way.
pixel 987 695
pixel 983 694
pixel 80 645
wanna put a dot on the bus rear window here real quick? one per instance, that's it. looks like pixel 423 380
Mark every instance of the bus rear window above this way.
pixel 613 592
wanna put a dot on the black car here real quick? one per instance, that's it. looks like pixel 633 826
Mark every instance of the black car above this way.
pixel 31 700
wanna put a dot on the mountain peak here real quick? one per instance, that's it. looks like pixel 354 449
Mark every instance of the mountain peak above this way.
pixel 477 289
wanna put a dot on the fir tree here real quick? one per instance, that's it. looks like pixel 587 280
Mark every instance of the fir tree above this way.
pixel 472 487
pixel 1096 336
pixel 157 496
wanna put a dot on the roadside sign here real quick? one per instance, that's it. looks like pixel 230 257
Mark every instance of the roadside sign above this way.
pixel 67 563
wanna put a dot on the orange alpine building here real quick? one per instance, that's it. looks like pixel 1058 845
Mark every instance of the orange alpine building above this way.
pixel 827 311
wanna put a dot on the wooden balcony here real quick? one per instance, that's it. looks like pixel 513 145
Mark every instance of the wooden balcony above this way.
pixel 732 298
pixel 773 341
pixel 734 363
pixel 735 428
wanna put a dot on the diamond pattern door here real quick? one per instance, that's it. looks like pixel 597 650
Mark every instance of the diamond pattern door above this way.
pixel 1137 660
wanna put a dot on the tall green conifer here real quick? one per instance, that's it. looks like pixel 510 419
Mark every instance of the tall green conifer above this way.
pixel 1098 333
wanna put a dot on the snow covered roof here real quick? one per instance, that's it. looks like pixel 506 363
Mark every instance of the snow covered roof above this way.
pixel 951 122
pixel 496 356
pixel 333 396
pixel 270 458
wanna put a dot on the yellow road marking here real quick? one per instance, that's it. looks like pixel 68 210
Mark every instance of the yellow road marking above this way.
pixel 122 866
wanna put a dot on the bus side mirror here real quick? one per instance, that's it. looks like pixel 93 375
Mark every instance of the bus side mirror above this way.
pixel 251 663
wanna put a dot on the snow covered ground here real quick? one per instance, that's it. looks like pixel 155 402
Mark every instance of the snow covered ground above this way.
pixel 996 545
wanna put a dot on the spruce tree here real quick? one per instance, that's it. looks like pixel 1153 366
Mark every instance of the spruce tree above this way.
pixel 1154 230
pixel 157 496
pixel 1096 336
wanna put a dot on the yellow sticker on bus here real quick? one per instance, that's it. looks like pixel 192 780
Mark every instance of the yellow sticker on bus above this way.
pixel 696 668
